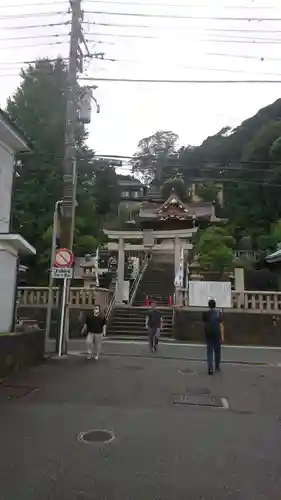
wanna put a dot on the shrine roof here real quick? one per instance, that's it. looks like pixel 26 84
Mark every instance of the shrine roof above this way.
pixel 173 207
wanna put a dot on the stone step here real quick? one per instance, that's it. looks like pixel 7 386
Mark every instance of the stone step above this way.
pixel 138 317
pixel 136 321
pixel 131 333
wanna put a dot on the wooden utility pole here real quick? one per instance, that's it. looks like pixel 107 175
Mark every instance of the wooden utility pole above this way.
pixel 69 163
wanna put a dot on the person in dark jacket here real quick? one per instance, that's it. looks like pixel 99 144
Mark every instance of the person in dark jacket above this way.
pixel 213 320
pixel 154 325
pixel 95 327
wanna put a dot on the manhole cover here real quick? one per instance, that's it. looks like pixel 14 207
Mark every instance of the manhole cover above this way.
pixel 186 371
pixel 199 400
pixel 96 436
pixel 15 391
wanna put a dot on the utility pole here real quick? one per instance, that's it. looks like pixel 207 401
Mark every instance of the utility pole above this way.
pixel 69 163
pixel 75 111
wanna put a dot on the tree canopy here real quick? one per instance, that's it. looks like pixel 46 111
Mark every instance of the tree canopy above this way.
pixel 215 249
pixel 153 155
pixel 38 108
pixel 174 184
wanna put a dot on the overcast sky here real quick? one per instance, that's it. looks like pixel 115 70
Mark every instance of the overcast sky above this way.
pixel 189 41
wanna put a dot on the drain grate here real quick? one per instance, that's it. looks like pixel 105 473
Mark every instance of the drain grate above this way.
pixel 199 400
pixel 16 391
pixel 96 436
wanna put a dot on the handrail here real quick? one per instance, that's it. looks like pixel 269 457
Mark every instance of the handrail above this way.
pixel 110 306
pixel 138 279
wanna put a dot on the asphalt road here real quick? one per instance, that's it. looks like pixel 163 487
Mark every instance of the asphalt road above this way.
pixel 162 450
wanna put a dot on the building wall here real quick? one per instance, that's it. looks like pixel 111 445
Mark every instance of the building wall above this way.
pixel 8 264
pixel 6 185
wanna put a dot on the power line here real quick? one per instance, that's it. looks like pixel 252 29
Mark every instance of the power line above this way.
pixel 10 47
pixel 37 4
pixel 198 68
pixel 175 16
pixel 174 27
pixel 188 6
pixel 124 35
pixel 31 14
pixel 136 80
pixel 28 27
pixel 53 35
pixel 267 41
pixel 260 58
pixel 34 61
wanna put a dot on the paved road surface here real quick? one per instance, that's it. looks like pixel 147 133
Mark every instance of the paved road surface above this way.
pixel 162 450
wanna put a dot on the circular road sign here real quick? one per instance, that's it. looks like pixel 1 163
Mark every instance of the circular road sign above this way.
pixel 63 258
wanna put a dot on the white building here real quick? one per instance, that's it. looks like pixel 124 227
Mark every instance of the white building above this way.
pixel 12 245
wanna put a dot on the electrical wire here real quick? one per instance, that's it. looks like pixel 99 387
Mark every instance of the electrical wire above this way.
pixel 242 56
pixel 175 16
pixel 198 68
pixel 10 47
pixel 52 35
pixel 174 27
pixel 28 27
pixel 35 4
pixel 188 6
pixel 31 14
pixel 259 41
pixel 139 80
pixel 9 63
pixel 207 163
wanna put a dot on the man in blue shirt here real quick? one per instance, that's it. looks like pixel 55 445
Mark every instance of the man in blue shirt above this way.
pixel 212 320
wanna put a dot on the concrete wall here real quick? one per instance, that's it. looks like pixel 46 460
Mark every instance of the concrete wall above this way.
pixel 20 351
pixel 8 264
pixel 6 183
pixel 241 328
pixel 39 314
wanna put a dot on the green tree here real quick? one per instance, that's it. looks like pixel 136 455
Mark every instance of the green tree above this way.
pixel 271 240
pixel 215 249
pixel 208 192
pixel 153 156
pixel 174 184
pixel 38 108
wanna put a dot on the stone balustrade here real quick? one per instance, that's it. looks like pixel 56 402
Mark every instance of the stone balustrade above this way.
pixel 248 301
pixel 80 298
pixel 85 298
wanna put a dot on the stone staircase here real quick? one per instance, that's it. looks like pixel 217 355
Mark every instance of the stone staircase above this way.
pixel 130 321
pixel 157 284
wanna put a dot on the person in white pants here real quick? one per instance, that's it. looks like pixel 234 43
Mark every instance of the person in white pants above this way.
pixel 95 325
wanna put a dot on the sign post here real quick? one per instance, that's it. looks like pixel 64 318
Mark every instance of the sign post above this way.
pixel 63 269
pixel 62 321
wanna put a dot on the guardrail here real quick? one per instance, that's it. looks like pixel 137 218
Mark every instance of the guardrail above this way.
pixel 80 298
